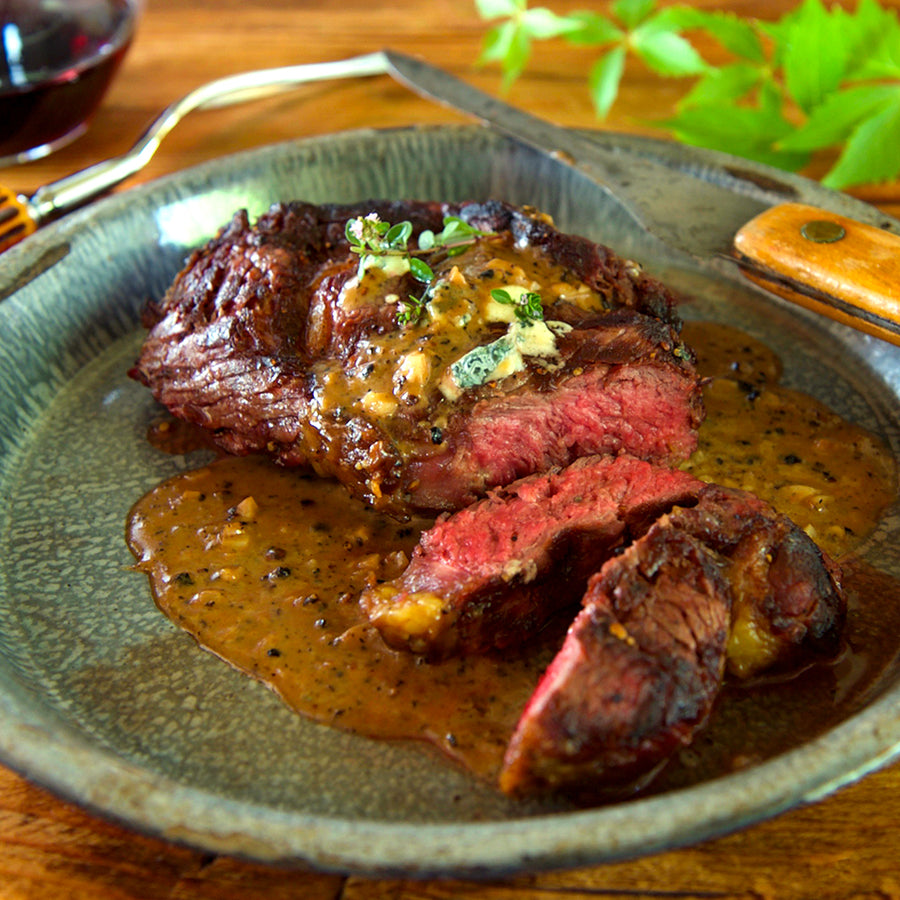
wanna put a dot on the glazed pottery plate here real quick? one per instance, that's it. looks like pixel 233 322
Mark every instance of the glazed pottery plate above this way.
pixel 107 703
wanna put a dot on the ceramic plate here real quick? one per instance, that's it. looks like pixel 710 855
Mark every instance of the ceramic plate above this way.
pixel 107 703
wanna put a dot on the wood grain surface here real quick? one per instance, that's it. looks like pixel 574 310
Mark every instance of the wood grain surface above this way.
pixel 845 846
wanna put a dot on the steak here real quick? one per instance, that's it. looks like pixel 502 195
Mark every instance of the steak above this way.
pixel 637 674
pixel 788 602
pixel 275 341
pixel 492 574
pixel 726 581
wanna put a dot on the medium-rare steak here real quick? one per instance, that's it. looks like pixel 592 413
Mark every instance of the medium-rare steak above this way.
pixel 493 573
pixel 277 339
pixel 727 580
pixel 636 676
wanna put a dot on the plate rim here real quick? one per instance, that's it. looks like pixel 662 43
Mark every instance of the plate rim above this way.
pixel 474 850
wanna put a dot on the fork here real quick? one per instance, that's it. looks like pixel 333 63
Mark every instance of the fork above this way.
pixel 21 215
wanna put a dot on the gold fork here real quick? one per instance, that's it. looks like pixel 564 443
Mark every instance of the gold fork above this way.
pixel 21 215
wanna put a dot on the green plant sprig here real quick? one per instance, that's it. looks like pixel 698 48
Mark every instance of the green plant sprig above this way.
pixel 817 79
pixel 527 305
pixel 376 242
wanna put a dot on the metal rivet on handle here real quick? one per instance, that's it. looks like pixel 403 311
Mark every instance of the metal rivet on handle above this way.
pixel 823 231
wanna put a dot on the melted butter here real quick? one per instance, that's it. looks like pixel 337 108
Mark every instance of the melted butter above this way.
pixel 407 369
pixel 263 565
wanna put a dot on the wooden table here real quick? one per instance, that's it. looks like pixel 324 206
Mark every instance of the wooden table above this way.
pixel 846 846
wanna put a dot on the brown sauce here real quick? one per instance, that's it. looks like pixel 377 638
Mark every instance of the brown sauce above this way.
pixel 830 476
pixel 270 585
pixel 263 565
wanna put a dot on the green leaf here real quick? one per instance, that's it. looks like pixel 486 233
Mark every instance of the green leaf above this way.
pixel 494 9
pixel 497 42
pixel 604 79
pixel 528 307
pixel 876 51
pixel 736 35
pixel 420 270
pixel 594 29
pixel 872 35
pixel 870 155
pixel 398 235
pixel 666 52
pixel 352 238
pixel 726 83
pixel 540 23
pixel 834 120
pixel 816 54
pixel 632 12
pixel 751 132
pixel 509 45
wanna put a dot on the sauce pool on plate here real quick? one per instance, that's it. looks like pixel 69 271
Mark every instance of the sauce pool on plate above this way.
pixel 263 566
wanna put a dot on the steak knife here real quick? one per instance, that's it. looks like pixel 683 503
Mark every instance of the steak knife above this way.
pixel 845 269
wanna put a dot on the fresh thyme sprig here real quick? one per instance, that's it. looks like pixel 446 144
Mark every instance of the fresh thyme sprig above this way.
pixel 378 243
pixel 527 305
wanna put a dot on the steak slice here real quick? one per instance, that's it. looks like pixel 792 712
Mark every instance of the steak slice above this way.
pixel 637 674
pixel 619 390
pixel 272 340
pixel 493 573
pixel 788 602
pixel 727 580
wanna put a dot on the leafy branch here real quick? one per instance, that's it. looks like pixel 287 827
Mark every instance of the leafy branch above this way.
pixel 816 79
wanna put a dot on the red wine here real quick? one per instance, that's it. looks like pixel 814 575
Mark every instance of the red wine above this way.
pixel 56 62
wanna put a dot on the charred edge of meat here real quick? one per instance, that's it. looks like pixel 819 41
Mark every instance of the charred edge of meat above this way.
pixel 789 606
pixel 620 281
pixel 777 600
pixel 637 674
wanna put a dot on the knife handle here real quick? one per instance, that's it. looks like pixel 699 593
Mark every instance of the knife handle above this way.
pixel 844 269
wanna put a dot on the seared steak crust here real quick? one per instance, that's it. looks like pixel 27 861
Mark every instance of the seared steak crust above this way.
pixel 636 676
pixel 254 332
pixel 727 580
pixel 786 589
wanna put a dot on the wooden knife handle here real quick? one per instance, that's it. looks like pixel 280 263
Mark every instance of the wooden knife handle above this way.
pixel 828 263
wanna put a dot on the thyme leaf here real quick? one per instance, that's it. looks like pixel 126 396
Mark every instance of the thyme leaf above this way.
pixel 528 307
pixel 376 241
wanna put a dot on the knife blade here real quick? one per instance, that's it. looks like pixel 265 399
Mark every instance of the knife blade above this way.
pixel 839 267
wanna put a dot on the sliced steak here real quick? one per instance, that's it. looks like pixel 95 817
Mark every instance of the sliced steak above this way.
pixel 788 602
pixel 637 674
pixel 272 340
pixel 727 579
pixel 619 391
pixel 492 574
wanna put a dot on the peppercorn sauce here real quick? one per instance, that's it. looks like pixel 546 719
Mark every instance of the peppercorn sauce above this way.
pixel 263 566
